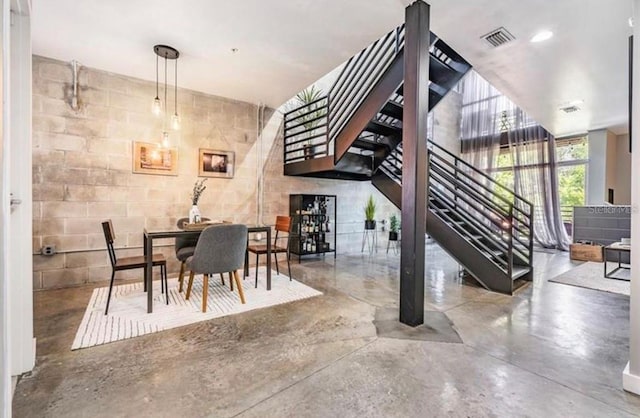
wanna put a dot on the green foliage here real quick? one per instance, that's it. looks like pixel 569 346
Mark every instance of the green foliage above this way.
pixel 370 209
pixel 305 97
pixel 394 223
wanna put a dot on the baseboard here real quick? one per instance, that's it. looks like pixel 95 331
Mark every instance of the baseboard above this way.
pixel 630 382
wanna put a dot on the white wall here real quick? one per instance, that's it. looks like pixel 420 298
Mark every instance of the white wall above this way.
pixel 623 171
pixel 596 173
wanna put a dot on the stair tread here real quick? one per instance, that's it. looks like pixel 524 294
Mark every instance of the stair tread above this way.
pixel 392 109
pixel 519 271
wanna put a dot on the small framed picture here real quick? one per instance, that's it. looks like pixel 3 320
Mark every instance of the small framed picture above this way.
pixel 151 158
pixel 216 163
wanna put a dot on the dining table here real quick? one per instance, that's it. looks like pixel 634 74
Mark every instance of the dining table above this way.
pixel 151 234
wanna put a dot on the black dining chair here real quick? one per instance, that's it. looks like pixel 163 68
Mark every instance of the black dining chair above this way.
pixel 129 263
pixel 220 249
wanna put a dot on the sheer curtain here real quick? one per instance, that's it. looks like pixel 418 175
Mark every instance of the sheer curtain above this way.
pixel 479 137
pixel 488 117
pixel 533 150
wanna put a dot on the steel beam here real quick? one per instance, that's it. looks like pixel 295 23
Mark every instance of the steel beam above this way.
pixel 414 163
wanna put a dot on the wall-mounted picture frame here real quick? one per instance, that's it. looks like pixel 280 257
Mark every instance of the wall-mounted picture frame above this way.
pixel 216 163
pixel 149 158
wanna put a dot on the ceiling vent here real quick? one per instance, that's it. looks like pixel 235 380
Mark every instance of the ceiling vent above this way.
pixel 570 109
pixel 498 37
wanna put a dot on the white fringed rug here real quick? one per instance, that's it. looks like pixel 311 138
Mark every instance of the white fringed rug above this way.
pixel 128 315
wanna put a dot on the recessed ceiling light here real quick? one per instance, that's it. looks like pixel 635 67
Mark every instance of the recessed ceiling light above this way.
pixel 234 50
pixel 542 36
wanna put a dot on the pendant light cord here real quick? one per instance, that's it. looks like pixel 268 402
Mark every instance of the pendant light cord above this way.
pixel 175 105
pixel 165 91
pixel 157 58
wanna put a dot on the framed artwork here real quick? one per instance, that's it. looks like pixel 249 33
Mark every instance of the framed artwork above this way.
pixel 216 163
pixel 152 159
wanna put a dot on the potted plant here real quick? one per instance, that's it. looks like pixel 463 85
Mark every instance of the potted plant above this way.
pixel 394 227
pixel 311 113
pixel 370 213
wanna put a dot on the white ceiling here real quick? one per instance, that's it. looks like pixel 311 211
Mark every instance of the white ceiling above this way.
pixel 285 45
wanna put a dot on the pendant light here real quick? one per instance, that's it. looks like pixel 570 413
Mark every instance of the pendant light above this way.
pixel 168 53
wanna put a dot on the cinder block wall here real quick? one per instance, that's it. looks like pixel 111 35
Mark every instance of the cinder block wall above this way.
pixel 82 164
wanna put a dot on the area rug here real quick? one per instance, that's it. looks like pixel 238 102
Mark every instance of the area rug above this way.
pixel 591 276
pixel 128 317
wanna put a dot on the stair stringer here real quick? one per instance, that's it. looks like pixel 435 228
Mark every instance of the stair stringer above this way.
pixel 370 106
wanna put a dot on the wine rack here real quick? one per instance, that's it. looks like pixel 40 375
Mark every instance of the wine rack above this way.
pixel 313 224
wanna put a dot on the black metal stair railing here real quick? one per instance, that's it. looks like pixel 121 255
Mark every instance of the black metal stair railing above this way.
pixel 305 131
pixel 498 224
pixel 310 128
pixel 358 77
pixel 516 212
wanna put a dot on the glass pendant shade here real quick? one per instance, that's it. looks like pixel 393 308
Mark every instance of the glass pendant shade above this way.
pixel 165 139
pixel 156 108
pixel 175 122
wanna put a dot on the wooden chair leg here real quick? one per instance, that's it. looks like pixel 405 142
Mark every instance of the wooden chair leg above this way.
pixel 181 276
pixel 231 281
pixel 190 284
pixel 222 278
pixel 239 285
pixel 205 291
pixel 113 275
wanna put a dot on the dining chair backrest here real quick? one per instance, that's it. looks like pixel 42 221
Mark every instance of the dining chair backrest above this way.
pixel 283 224
pixel 110 237
pixel 182 242
pixel 220 249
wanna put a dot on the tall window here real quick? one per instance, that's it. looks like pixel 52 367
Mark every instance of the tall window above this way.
pixel 572 156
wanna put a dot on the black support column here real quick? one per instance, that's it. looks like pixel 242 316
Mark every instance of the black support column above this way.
pixel 414 162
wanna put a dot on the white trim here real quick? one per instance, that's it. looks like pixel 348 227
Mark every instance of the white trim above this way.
pixel 630 382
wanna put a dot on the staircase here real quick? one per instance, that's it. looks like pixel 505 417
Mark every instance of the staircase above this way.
pixel 355 133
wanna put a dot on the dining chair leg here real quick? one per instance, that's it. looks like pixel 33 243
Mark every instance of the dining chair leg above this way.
pixel 275 255
pixel 239 286
pixel 113 275
pixel 181 276
pixel 257 261
pixel 246 264
pixel 205 291
pixel 161 281
pixel 231 281
pixel 166 283
pixel 189 285
pixel 222 278
pixel 289 267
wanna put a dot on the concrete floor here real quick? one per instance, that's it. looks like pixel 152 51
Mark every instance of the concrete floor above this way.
pixel 551 350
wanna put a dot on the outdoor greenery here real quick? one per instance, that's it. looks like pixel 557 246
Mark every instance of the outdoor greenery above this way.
pixel 370 209
pixel 571 174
